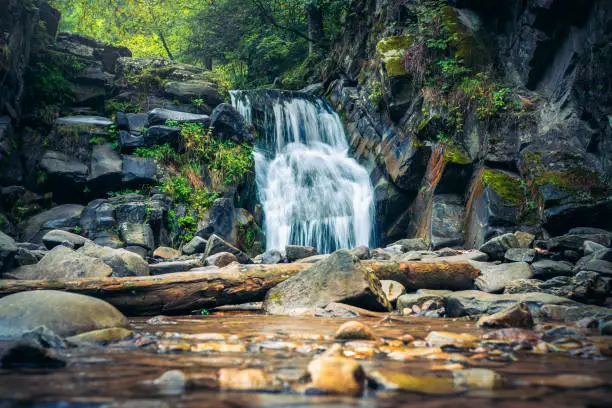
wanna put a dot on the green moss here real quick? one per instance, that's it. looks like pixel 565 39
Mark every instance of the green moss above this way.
pixel 392 51
pixel 456 154
pixel 506 186
pixel 576 182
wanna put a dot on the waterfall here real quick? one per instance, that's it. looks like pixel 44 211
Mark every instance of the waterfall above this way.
pixel 311 191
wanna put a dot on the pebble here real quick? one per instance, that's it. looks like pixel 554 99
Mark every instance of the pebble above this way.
pixel 250 379
pixel 336 375
pixel 354 330
pixel 460 340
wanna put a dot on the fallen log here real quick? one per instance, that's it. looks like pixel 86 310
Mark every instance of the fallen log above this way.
pixel 184 292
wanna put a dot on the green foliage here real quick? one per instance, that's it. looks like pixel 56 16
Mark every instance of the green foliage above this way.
pixel 112 106
pixel 163 154
pixel 376 95
pixel 188 225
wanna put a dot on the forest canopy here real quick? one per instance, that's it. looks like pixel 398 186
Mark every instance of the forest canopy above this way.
pixel 248 42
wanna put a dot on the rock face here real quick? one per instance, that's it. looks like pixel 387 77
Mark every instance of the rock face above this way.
pixel 65 314
pixel 339 278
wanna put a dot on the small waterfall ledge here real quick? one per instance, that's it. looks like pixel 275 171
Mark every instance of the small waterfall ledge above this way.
pixel 311 191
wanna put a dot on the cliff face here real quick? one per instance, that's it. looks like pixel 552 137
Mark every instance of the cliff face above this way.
pixel 477 118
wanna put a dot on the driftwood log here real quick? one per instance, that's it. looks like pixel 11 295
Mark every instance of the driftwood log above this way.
pixel 183 292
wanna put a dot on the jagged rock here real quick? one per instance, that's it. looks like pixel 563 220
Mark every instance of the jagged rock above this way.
pixel 221 259
pixel 137 235
pixel 138 171
pixel 296 252
pixel 517 315
pixel 589 287
pixel 197 245
pixel 520 255
pixel 166 253
pixel 575 241
pixel 271 256
pixel 340 278
pixel 599 261
pixel 136 123
pixel 413 244
pixel 175 266
pixel 493 278
pixel 473 302
pixel 496 248
pixel 361 252
pixel 107 239
pixel 546 269
pixel 160 116
pixel 105 169
pixel 525 239
pixel 216 244
pixel 8 250
pixel 122 261
pixel 65 314
pixel 229 124
pixel 393 290
pixel 187 91
pixel 130 141
pixel 64 217
pixel 54 238
pixel 64 263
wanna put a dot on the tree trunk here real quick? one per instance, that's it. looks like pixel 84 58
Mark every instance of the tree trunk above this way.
pixel 183 292
pixel 165 45
pixel 315 27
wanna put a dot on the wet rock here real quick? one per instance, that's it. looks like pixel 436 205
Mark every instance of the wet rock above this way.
pixel 393 290
pixel 404 382
pixel 414 244
pixel 229 124
pixel 496 248
pixel 160 116
pixel 8 250
pixel 517 315
pixel 569 381
pixel 546 269
pixel 354 330
pixel 221 259
pixel 54 238
pixel 472 302
pixel 102 336
pixel 196 246
pixel 171 382
pixel 270 257
pixel 43 337
pixel 175 266
pixel 336 310
pixel 160 321
pixel 441 339
pixel 28 355
pixel 216 244
pixel 250 379
pixel 64 217
pixel 408 301
pixel 166 253
pixel 66 314
pixel 560 333
pixel 296 252
pixel 137 235
pixel 64 263
pixel 340 278
pixel 477 378
pixel 361 252
pixel 493 278
pixel 336 375
pixel 590 247
pixel 520 255
pixel 122 261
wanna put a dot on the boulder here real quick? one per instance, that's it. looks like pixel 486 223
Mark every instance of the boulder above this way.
pixel 523 286
pixel 517 315
pixel 220 220
pixel 131 209
pixel 388 253
pixel 8 250
pixel 229 124
pixel 27 256
pixel 589 287
pixel 64 217
pixel 339 278
pixel 413 244
pixel 221 259
pixel 166 253
pixel 64 263
pixel 296 252
pixel 590 247
pixel 216 244
pixel 137 235
pixel 496 248
pixel 122 261
pixel 160 116
pixel 493 278
pixel 575 241
pixel 409 300
pixel 160 134
pixel 54 238
pixel 188 91
pixel 573 313
pixel 197 245
pixel 393 290
pixel 63 172
pixel 98 216
pixel 520 255
pixel 546 269
pixel 447 221
pixel 313 259
pixel 66 314
pixel 361 252
pixel 270 257
pixel 138 171
pixel 130 141
pixel 105 168
pixel 354 330
pixel 336 375
pixel 474 302
pixel 599 261
pixel 525 239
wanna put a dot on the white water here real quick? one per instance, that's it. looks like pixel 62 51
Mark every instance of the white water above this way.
pixel 311 191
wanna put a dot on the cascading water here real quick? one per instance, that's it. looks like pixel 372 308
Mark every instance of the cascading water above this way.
pixel 312 193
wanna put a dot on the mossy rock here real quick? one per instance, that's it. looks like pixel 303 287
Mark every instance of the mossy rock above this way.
pixel 391 50
pixel 507 187
pixel 457 155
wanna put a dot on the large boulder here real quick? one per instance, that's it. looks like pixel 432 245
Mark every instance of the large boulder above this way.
pixel 220 220
pixel 216 244
pixel 160 134
pixel 137 235
pixel 493 278
pixel 65 314
pixel 160 116
pixel 64 263
pixel 64 217
pixel 196 246
pixel 447 221
pixel 138 171
pixel 105 168
pixel 496 247
pixel 188 91
pixel 295 252
pixel 547 268
pixel 63 174
pixel 122 262
pixel 54 238
pixel 8 250
pixel 339 278
pixel 229 124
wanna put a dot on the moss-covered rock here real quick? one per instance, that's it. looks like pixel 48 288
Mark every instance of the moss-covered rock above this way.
pixel 391 50
pixel 506 186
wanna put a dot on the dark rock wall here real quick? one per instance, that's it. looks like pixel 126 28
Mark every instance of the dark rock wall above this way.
pixel 545 166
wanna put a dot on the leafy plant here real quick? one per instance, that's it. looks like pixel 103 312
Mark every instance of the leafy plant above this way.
pixel 163 154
